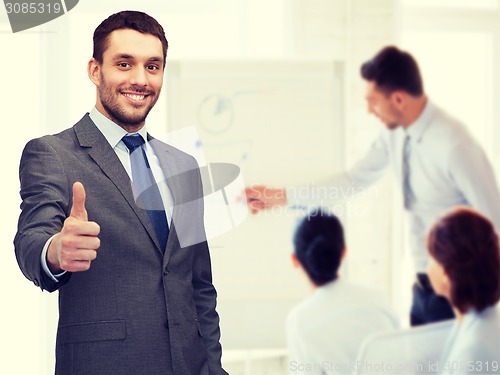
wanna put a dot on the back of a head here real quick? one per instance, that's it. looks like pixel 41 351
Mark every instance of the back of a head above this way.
pixel 392 69
pixel 465 243
pixel 127 19
pixel 318 245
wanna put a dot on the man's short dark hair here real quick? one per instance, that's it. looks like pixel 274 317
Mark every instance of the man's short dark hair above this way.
pixel 127 19
pixel 465 243
pixel 392 69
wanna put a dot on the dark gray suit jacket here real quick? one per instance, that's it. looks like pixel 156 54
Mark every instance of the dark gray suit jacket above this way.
pixel 135 311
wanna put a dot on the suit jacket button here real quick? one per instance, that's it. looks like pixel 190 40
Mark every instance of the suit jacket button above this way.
pixel 165 272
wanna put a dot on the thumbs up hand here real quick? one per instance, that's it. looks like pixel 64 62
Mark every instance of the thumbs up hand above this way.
pixel 75 246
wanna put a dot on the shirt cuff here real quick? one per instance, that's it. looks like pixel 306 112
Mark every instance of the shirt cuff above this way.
pixel 43 260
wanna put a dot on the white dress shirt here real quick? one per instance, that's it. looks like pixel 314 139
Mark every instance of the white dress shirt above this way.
pixel 325 331
pixel 473 345
pixel 114 134
pixel 447 168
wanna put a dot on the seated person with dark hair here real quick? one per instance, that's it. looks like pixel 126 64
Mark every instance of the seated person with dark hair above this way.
pixel 464 268
pixel 326 330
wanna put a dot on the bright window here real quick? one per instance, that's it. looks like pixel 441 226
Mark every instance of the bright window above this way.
pixel 457 71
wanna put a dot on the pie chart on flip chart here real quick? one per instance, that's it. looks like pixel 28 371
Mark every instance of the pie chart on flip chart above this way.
pixel 24 14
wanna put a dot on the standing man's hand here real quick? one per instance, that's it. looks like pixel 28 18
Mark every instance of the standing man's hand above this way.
pixel 75 246
pixel 261 198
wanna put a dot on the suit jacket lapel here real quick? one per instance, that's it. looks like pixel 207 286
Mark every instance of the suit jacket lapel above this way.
pixel 170 170
pixel 105 157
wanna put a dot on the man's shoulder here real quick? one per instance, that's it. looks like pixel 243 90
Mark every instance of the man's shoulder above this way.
pixel 446 134
pixel 53 140
pixel 446 127
pixel 173 152
pixel 65 139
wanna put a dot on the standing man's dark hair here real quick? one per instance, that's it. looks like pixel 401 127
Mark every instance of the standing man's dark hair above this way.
pixel 127 19
pixel 392 69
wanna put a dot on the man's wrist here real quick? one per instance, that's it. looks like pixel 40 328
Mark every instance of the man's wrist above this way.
pixel 53 272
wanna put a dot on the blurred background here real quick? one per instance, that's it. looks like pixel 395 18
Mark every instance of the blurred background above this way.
pixel 272 86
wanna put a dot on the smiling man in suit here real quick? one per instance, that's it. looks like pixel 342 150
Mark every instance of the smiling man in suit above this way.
pixel 134 278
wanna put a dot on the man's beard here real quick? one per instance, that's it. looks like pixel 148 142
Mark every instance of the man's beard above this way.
pixel 120 116
pixel 119 113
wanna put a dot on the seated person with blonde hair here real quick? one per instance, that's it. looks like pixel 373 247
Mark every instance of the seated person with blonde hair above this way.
pixel 464 268
pixel 326 330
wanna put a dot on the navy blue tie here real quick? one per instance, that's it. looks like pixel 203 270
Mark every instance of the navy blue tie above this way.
pixel 145 189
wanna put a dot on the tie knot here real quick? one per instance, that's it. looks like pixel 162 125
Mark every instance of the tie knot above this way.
pixel 133 141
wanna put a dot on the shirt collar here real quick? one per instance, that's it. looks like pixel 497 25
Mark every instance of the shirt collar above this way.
pixel 417 129
pixel 472 316
pixel 111 131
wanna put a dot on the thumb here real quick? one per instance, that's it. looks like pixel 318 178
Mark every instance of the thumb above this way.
pixel 78 210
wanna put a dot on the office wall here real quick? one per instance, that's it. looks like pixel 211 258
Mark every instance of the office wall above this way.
pixel 26 329
pixel 280 121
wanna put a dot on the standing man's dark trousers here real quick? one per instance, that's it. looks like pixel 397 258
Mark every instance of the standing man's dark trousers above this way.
pixel 428 307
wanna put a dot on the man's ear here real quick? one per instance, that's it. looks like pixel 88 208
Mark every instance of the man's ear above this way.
pixel 398 98
pixel 295 260
pixel 93 70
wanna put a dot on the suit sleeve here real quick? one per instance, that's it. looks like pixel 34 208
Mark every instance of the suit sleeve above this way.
pixel 205 295
pixel 45 196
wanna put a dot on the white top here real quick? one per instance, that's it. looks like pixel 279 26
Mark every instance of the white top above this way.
pixel 447 168
pixel 325 331
pixel 473 345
